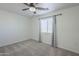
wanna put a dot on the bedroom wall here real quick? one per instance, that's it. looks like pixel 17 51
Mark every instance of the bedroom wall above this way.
pixel 67 28
pixel 13 28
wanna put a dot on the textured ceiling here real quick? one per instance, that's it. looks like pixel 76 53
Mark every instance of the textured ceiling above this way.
pixel 17 7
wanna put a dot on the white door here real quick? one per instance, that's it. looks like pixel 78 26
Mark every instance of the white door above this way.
pixel 46 30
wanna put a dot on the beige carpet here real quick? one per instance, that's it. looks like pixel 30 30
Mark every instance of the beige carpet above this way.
pixel 33 48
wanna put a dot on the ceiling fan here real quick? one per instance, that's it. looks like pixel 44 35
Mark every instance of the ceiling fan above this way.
pixel 33 8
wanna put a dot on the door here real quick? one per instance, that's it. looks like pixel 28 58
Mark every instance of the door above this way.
pixel 46 27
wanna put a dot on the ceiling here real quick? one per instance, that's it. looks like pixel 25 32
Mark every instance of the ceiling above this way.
pixel 17 7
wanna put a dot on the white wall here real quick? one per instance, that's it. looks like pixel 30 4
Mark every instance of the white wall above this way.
pixel 67 28
pixel 35 28
pixel 13 28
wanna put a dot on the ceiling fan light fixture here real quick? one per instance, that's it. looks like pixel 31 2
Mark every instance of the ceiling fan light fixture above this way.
pixel 32 9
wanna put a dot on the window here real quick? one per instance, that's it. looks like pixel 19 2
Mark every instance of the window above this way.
pixel 43 25
pixel 50 25
pixel 46 25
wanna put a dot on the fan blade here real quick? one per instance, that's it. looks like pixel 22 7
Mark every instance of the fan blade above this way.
pixel 27 4
pixel 30 4
pixel 25 9
pixel 40 8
